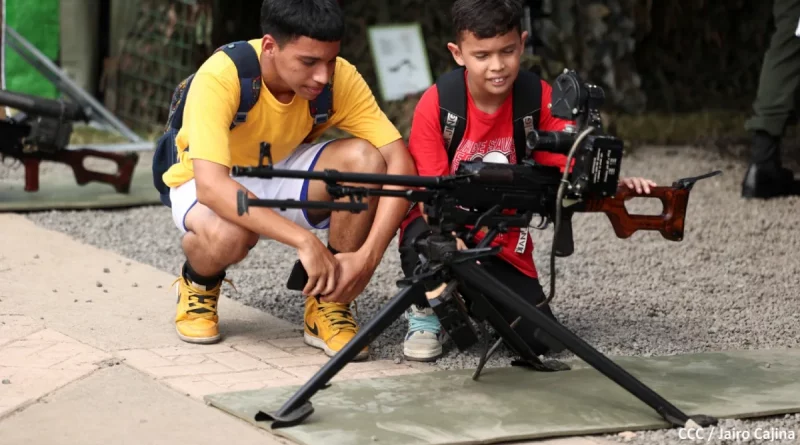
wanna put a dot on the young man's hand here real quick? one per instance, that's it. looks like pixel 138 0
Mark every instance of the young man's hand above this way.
pixel 355 272
pixel 639 184
pixel 320 265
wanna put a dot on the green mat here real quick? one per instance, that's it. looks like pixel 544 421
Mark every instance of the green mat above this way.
pixel 448 407
pixel 61 192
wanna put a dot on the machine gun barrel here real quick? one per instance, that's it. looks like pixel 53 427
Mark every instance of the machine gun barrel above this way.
pixel 39 106
pixel 339 177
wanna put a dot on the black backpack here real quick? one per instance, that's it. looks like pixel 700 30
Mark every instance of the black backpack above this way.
pixel 527 104
pixel 245 58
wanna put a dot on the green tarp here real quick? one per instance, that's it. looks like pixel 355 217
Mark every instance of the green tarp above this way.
pixel 448 407
pixel 39 22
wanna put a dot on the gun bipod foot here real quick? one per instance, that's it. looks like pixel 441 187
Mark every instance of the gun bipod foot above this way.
pixel 704 420
pixel 545 366
pixel 694 422
pixel 294 417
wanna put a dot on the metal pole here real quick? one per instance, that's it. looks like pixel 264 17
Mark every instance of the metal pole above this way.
pixel 54 74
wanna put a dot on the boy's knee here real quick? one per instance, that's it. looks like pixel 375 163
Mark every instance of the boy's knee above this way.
pixel 233 242
pixel 226 241
pixel 361 156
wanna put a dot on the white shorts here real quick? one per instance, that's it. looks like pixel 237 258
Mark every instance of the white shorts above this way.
pixel 304 157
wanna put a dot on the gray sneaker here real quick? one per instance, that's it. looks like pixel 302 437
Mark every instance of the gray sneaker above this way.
pixel 424 339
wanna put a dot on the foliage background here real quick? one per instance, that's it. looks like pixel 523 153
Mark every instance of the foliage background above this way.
pixel 674 71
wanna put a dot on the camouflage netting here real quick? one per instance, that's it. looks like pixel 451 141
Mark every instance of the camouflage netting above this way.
pixel 653 58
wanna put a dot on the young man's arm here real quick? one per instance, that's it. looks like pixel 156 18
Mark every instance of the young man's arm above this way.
pixel 357 112
pixel 210 106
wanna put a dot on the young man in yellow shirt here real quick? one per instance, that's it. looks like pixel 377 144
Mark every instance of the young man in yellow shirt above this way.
pixel 298 56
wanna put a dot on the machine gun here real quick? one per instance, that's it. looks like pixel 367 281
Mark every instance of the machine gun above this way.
pixel 41 132
pixel 495 197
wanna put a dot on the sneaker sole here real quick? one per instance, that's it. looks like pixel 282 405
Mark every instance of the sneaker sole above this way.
pixel 198 340
pixel 416 356
pixel 318 343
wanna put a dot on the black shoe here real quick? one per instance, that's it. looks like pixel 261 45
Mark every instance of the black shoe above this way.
pixel 766 181
pixel 765 177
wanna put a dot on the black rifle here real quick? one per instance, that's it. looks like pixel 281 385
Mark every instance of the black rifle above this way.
pixel 41 131
pixel 495 197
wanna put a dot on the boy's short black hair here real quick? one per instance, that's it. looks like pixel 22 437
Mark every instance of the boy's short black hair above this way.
pixel 286 20
pixel 486 18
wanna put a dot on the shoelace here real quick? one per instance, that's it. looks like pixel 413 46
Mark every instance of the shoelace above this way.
pixel 428 323
pixel 338 315
pixel 203 302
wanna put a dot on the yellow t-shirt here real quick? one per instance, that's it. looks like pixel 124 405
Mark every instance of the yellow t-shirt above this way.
pixel 213 99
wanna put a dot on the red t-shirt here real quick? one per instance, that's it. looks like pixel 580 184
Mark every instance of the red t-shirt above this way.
pixel 484 134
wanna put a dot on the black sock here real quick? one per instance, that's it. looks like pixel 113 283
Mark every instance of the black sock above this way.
pixel 196 278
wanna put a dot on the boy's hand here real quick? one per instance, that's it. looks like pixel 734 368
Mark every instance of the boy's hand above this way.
pixel 638 183
pixel 321 266
pixel 355 273
pixel 460 245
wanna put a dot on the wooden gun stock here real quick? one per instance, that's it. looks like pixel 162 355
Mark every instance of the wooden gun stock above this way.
pixel 121 181
pixel 670 223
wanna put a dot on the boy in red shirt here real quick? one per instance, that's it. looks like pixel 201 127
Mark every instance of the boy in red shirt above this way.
pixel 489 44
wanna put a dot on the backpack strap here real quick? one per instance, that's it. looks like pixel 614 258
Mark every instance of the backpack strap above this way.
pixel 321 107
pixel 452 89
pixel 321 110
pixel 527 106
pixel 245 58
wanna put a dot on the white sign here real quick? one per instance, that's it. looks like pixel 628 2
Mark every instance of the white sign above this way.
pixel 2 44
pixel 401 61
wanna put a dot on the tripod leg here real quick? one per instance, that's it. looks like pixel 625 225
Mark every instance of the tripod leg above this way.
pixel 482 305
pixel 476 277
pixel 298 407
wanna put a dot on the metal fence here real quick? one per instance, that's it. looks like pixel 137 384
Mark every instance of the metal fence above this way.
pixel 166 42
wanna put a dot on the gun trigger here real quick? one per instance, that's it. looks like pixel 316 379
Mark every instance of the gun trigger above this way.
pixel 688 183
pixel 543 223
pixel 567 202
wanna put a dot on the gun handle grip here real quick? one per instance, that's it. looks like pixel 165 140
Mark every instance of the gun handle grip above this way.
pixel 31 174
pixel 564 245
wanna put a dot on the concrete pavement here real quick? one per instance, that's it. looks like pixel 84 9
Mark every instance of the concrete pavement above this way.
pixel 88 354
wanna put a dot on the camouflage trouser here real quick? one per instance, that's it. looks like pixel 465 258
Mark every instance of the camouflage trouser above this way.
pixel 775 102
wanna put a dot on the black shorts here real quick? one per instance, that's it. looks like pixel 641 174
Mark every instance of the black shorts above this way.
pixel 520 283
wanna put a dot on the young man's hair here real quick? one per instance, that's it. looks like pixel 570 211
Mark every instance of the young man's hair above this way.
pixel 486 18
pixel 286 20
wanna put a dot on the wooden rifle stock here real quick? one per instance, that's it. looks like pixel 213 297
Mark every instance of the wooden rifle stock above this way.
pixel 670 223
pixel 121 180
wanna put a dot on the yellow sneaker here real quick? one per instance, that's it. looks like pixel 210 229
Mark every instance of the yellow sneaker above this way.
pixel 330 326
pixel 196 318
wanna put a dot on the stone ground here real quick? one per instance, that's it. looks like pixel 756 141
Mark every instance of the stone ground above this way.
pixel 85 335
pixel 731 284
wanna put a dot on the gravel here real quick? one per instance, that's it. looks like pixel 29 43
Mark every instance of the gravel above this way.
pixel 731 284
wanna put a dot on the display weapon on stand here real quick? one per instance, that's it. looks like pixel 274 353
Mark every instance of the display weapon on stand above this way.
pixel 495 197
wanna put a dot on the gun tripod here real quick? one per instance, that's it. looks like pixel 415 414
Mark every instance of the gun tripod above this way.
pixel 446 264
